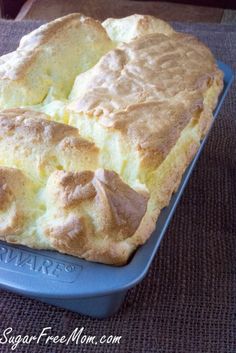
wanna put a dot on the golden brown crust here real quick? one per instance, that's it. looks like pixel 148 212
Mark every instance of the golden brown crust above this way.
pixel 91 210
pixel 39 146
pixel 148 90
pixel 15 193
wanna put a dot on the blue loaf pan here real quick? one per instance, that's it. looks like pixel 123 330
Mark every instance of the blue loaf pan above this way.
pixel 89 288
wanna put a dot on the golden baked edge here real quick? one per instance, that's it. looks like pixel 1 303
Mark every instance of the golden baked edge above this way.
pixel 56 192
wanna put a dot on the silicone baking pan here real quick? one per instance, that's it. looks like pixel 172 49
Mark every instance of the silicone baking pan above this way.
pixel 89 288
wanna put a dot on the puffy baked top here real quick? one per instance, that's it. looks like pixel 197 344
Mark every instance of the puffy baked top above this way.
pixel 49 58
pixel 101 122
pixel 147 90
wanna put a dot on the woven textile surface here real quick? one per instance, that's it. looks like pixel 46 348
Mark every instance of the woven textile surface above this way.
pixel 187 302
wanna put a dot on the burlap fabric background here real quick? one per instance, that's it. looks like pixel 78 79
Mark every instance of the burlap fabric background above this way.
pixel 187 303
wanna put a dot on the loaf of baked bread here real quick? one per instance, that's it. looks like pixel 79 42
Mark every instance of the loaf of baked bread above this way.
pixel 98 123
